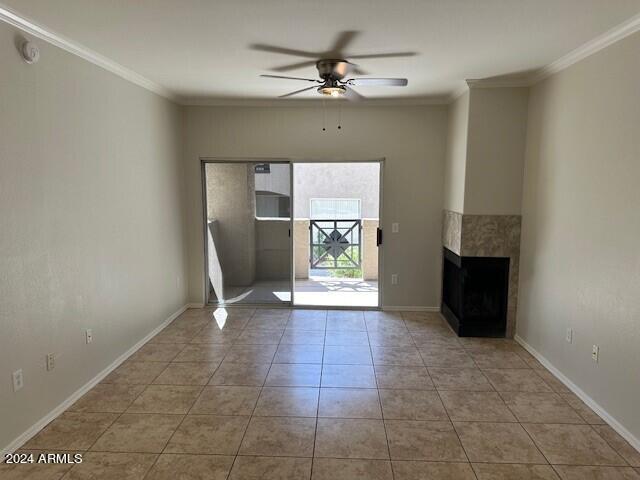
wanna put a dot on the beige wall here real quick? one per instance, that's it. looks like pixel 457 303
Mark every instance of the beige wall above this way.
pixel 91 229
pixel 485 151
pixel 495 151
pixel 454 178
pixel 412 139
pixel 580 261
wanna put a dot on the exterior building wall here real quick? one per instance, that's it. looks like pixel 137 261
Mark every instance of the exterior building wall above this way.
pixel 369 249
pixel 301 247
pixel 231 202
pixel 272 249
pixel 337 180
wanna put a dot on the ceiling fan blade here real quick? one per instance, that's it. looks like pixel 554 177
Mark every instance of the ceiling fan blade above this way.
pixel 292 78
pixel 342 41
pixel 261 47
pixel 296 92
pixel 378 82
pixel 352 95
pixel 294 66
pixel 359 71
pixel 385 55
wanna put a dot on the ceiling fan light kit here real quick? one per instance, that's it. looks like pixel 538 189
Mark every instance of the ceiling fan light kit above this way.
pixel 332 90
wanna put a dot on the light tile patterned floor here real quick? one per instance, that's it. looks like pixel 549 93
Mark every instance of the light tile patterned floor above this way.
pixel 301 394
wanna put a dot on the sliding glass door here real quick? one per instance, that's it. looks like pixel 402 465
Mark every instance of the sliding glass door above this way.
pixel 336 222
pixel 247 214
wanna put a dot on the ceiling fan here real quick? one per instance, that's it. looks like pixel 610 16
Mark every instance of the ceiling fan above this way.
pixel 333 69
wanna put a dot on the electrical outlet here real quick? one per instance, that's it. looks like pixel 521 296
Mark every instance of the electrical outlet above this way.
pixel 595 353
pixel 51 361
pixel 394 279
pixel 395 227
pixel 569 335
pixel 88 336
pixel 18 381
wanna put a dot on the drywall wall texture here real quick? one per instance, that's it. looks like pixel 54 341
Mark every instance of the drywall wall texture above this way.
pixel 495 151
pixel 411 139
pixel 91 215
pixel 454 178
pixel 485 151
pixel 580 263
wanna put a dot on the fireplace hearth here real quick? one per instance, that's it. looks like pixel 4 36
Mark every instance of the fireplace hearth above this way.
pixel 475 294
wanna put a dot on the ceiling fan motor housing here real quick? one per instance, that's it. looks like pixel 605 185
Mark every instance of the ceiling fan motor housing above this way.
pixel 333 69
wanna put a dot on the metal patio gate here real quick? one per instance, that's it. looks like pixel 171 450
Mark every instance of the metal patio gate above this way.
pixel 335 244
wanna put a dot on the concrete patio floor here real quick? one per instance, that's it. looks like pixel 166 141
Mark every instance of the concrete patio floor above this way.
pixel 315 291
pixel 336 292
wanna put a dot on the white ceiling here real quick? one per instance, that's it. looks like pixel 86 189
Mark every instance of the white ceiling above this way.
pixel 200 49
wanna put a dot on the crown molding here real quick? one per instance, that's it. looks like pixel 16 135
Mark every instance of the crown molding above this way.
pixel 617 33
pixel 458 92
pixel 499 83
pixel 32 28
pixel 610 37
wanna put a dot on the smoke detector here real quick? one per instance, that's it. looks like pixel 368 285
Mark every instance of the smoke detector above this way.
pixel 30 52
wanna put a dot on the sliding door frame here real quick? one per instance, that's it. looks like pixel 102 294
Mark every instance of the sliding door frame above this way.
pixel 204 161
pixel 381 162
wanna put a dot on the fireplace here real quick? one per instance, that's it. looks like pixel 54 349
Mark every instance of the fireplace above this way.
pixel 475 294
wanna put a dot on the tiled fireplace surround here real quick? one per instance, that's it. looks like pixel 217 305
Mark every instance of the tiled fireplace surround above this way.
pixel 487 236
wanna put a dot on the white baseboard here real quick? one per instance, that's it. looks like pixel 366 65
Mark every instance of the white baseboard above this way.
pixel 194 305
pixel 617 426
pixel 408 308
pixel 40 424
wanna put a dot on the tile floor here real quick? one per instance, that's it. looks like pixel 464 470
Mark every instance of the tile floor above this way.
pixel 301 394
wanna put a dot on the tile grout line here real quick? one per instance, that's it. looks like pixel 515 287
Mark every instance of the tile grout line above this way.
pixel 188 411
pixel 181 421
pixel 120 416
pixel 315 432
pixel 384 425
pixel 244 433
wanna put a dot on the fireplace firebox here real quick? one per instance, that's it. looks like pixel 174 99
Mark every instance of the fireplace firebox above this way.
pixel 474 294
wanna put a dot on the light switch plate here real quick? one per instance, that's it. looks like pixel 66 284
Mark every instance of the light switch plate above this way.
pixel 395 227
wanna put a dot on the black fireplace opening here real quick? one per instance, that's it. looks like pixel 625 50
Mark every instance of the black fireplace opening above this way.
pixel 475 292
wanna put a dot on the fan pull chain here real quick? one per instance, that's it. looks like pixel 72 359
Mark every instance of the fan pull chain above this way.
pixel 339 116
pixel 324 116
